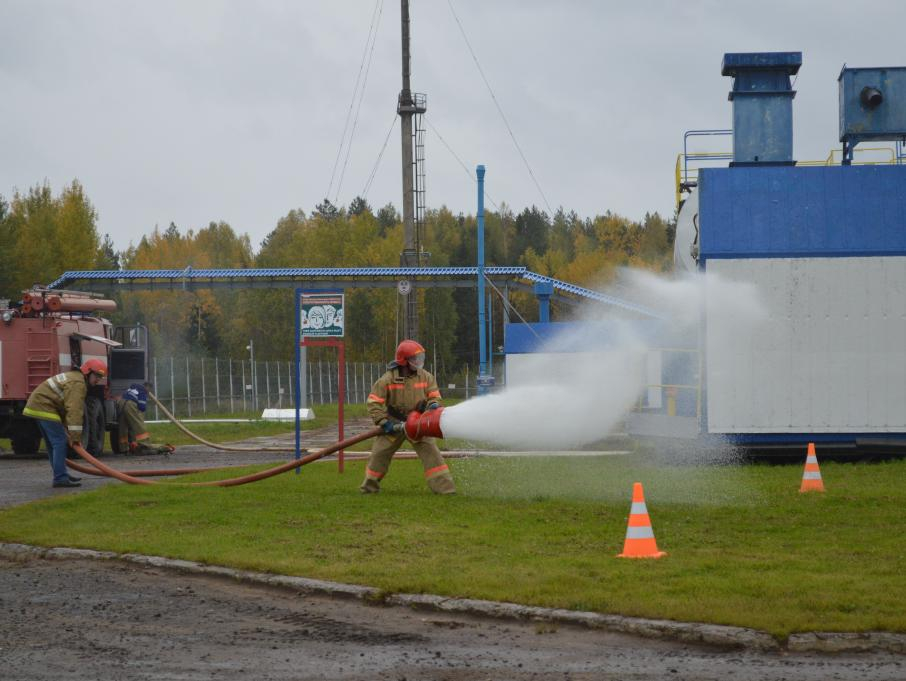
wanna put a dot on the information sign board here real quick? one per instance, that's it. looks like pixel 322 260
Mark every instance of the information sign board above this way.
pixel 321 315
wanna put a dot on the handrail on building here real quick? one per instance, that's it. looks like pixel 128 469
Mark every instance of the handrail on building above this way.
pixel 688 163
pixel 670 391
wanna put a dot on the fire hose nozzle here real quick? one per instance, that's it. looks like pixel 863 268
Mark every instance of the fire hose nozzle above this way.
pixel 422 425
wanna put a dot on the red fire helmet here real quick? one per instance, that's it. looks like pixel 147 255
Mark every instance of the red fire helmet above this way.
pixel 94 366
pixel 407 349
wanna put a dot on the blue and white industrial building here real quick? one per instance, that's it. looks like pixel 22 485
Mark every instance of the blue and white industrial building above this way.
pixel 825 248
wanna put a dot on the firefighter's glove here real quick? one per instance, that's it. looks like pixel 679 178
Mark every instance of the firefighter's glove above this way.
pixel 392 427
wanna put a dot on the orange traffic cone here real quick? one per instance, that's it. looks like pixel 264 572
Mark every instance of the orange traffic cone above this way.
pixel 639 534
pixel 811 476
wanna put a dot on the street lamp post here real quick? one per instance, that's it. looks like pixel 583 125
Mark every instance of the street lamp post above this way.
pixel 251 348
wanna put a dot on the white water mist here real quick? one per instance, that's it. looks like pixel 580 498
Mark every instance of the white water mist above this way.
pixel 575 398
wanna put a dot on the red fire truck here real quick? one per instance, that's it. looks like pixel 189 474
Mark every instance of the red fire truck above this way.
pixel 51 331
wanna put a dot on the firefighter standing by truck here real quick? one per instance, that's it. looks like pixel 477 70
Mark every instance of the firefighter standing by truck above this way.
pixel 133 435
pixel 405 387
pixel 58 405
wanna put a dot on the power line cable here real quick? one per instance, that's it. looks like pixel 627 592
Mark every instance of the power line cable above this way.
pixel 355 90
pixel 355 121
pixel 499 109
pixel 380 156
pixel 464 167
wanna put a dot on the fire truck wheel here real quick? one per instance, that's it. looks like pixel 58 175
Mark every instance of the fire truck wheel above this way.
pixel 27 440
pixel 115 442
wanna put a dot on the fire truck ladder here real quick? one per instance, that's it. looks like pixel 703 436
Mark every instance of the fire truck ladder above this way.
pixel 39 362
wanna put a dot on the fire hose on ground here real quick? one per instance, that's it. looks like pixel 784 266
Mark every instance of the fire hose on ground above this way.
pixel 177 471
pixel 417 426
pixel 207 443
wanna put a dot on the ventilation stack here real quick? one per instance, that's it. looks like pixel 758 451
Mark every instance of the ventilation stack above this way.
pixel 762 99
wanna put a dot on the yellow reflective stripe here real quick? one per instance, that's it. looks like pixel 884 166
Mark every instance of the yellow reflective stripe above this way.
pixel 44 415
pixel 77 429
pixel 143 436
pixel 374 398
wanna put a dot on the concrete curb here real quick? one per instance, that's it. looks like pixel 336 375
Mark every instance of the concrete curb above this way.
pixel 688 632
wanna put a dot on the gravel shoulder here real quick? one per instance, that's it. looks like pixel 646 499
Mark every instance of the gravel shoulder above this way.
pixel 79 619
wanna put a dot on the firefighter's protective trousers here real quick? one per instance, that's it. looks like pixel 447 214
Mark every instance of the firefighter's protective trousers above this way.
pixel 437 474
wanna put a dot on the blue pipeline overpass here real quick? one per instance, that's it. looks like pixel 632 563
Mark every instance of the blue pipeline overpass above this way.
pixel 190 279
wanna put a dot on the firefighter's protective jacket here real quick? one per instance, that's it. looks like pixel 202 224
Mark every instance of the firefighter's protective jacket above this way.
pixel 394 396
pixel 60 398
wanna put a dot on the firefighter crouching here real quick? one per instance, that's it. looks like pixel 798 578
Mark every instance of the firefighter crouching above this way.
pixel 133 435
pixel 58 405
pixel 405 387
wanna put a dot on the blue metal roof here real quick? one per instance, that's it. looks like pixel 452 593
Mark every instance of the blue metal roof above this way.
pixel 189 274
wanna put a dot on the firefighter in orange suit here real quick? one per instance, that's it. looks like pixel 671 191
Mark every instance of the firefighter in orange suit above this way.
pixel 405 387
pixel 57 405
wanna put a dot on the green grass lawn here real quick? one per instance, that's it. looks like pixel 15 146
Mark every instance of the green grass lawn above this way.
pixel 745 547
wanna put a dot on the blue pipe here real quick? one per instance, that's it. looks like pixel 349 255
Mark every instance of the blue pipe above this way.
pixel 482 343
pixel 490 333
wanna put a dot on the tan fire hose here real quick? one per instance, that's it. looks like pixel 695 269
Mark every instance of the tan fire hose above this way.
pixel 148 473
pixel 253 477
pixel 214 445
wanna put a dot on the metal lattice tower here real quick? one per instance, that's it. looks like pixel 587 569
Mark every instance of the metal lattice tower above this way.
pixel 411 105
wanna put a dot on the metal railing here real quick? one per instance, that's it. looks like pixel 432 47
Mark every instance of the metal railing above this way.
pixel 679 393
pixel 832 160
pixel 689 163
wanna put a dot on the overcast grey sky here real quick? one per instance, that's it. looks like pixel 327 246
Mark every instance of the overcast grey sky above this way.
pixel 200 111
